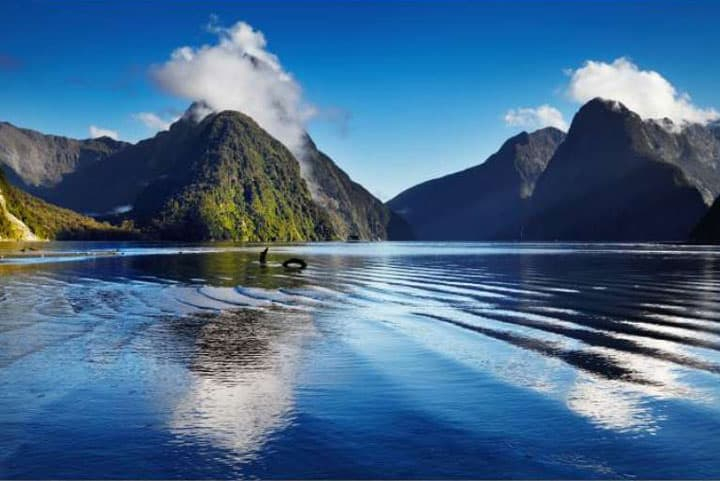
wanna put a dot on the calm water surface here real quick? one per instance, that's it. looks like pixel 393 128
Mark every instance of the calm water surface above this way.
pixel 378 361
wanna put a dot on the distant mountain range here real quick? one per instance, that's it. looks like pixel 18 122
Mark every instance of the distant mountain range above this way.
pixel 39 162
pixel 614 177
pixel 220 178
pixel 486 202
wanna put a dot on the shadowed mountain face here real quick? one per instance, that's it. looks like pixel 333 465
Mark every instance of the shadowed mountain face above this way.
pixel 39 163
pixel 708 230
pixel 619 178
pixel 486 202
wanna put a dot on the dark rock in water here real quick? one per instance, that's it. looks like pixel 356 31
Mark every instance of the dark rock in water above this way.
pixel 486 202
pixel 619 178
pixel 294 263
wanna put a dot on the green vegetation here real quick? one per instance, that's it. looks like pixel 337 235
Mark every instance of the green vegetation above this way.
pixel 223 178
pixel 233 181
pixel 47 221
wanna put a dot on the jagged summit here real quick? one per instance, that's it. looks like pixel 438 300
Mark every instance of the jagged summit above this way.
pixel 617 177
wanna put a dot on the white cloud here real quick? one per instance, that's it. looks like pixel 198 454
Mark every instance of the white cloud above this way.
pixel 645 92
pixel 96 132
pixel 536 118
pixel 239 73
pixel 154 121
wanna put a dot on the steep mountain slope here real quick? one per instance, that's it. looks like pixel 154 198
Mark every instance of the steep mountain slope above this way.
pixel 619 178
pixel 693 147
pixel 353 211
pixel 708 229
pixel 38 163
pixel 226 178
pixel 24 217
pixel 113 184
pixel 485 202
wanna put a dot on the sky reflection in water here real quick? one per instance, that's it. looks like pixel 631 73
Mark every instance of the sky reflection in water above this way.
pixel 380 360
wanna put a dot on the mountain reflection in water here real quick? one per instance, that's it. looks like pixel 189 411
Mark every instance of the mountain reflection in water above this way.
pixel 243 373
pixel 379 360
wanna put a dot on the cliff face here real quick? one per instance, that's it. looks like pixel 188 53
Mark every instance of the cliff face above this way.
pixel 353 212
pixel 619 178
pixel 615 177
pixel 486 202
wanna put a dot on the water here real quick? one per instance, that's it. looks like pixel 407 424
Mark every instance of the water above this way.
pixel 378 361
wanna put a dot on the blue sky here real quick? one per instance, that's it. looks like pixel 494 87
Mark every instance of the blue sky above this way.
pixel 405 91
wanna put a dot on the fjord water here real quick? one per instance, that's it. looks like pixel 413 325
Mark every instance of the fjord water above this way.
pixel 383 360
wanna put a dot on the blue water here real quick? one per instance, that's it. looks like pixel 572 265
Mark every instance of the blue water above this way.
pixel 384 360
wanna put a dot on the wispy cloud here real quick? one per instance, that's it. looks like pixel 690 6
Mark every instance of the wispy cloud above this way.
pixel 153 121
pixel 536 117
pixel 96 132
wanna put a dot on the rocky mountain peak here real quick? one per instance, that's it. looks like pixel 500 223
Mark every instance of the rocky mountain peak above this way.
pixel 197 111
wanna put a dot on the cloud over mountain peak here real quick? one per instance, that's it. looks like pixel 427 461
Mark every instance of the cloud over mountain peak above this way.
pixel 239 73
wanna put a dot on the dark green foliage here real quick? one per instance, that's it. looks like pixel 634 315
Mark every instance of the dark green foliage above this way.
pixel 50 222
pixel 230 181
pixel 221 178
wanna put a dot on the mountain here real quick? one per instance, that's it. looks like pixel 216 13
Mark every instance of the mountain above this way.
pixel 222 177
pixel 708 229
pixel 485 202
pixel 24 217
pixel 226 178
pixel 353 211
pixel 619 178
pixel 38 163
